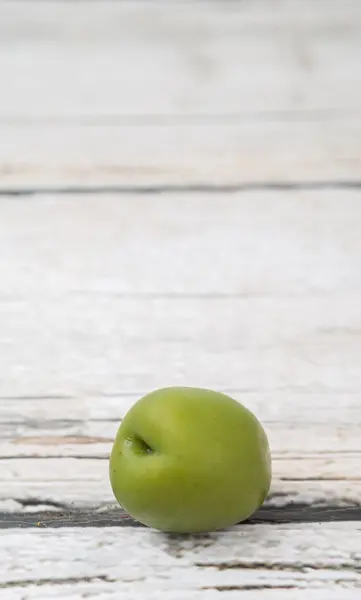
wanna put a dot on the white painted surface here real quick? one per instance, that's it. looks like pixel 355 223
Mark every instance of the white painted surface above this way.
pixel 133 563
pixel 137 93
pixel 273 407
pixel 125 58
pixel 101 592
pixel 103 298
pixel 156 155
pixel 255 292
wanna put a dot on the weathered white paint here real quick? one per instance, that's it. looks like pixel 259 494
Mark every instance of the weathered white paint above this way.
pixel 102 299
pixel 128 93
pixel 255 292
pixel 322 559
pixel 254 151
pixel 112 58
pixel 101 592
pixel 76 343
pixel 91 412
pixel 111 592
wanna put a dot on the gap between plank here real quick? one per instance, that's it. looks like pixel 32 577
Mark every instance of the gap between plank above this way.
pixel 200 188
pixel 117 517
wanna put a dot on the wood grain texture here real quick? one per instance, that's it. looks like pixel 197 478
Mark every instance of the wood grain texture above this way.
pixel 69 591
pixel 255 152
pixel 119 93
pixel 322 559
pixel 121 58
pixel 256 292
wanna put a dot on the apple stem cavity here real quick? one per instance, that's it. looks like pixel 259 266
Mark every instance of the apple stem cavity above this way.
pixel 138 445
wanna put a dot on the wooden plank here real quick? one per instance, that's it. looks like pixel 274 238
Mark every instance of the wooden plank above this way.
pixel 101 591
pixel 95 414
pixel 256 245
pixel 255 292
pixel 57 516
pixel 100 344
pixel 242 152
pixel 321 560
pixel 114 58
pixel 119 93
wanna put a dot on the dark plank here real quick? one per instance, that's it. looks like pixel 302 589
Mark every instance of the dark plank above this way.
pixel 296 513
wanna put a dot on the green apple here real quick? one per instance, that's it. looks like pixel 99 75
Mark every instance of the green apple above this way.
pixel 190 460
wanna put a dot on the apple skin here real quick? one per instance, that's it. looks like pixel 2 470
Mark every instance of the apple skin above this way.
pixel 189 460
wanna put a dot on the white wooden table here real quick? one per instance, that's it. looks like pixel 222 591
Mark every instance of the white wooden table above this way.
pixel 179 204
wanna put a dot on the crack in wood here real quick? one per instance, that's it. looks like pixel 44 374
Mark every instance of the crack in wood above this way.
pixel 321 478
pixel 37 396
pixel 63 440
pixel 278 566
pixel 200 188
pixel 194 119
pixel 55 456
pixel 248 587
pixel 27 502
pixel 51 581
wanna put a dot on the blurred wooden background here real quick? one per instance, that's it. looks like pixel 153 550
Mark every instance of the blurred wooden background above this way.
pixel 179 93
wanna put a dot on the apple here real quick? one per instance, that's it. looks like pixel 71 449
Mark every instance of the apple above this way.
pixel 190 460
